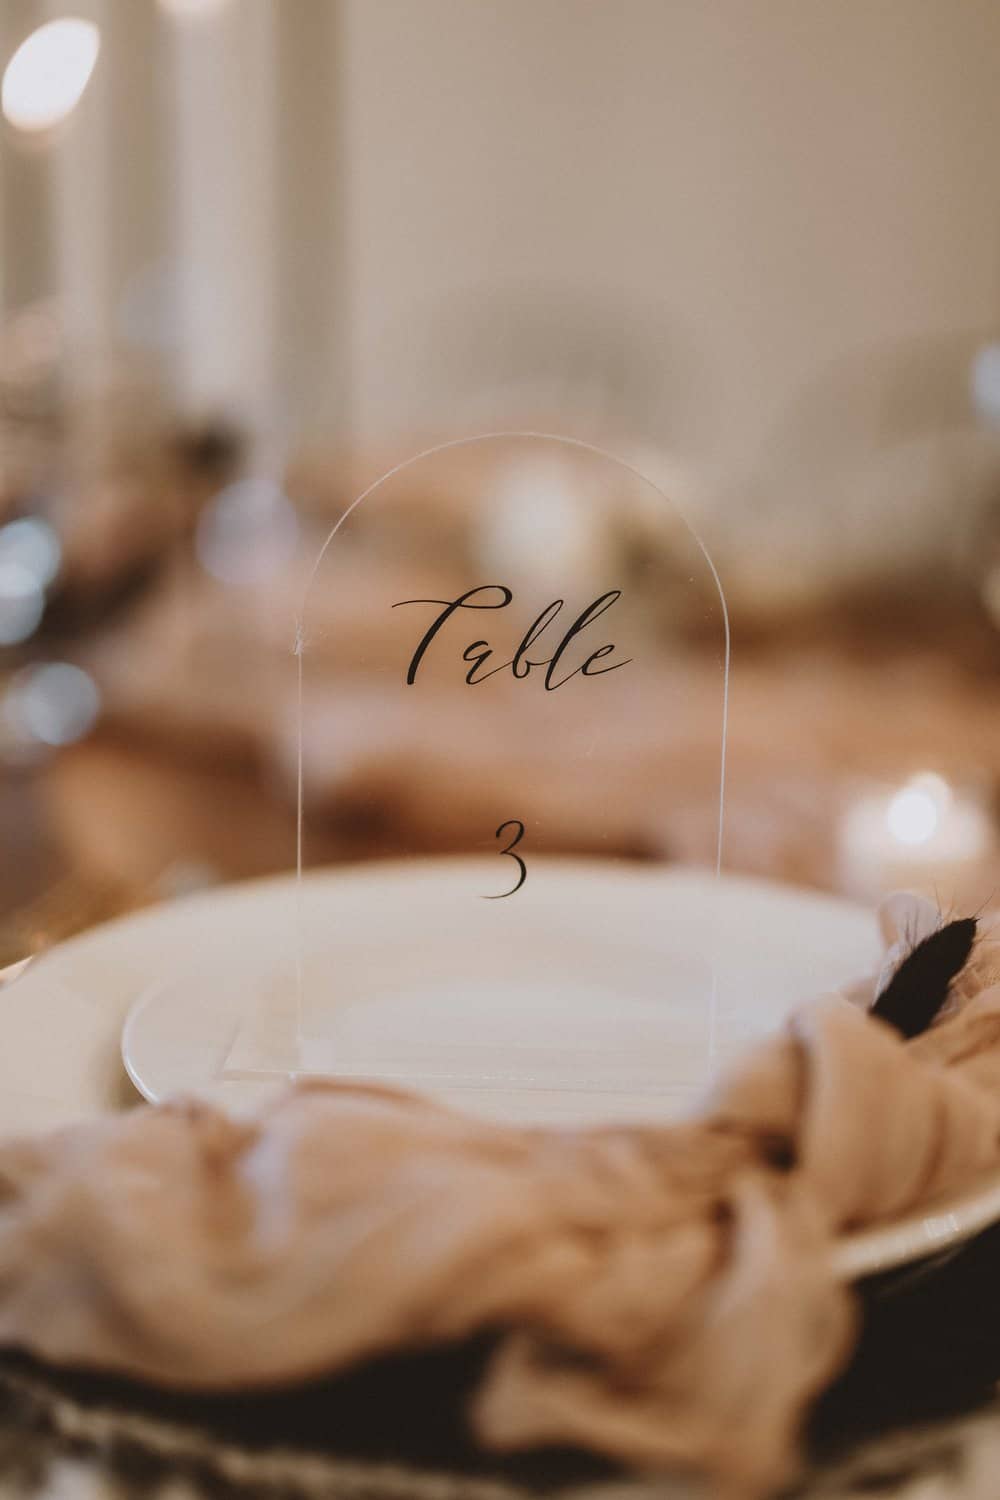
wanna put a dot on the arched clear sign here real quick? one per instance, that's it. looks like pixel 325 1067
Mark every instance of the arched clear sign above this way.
pixel 512 659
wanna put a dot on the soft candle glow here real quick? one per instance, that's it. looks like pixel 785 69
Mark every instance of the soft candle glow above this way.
pixel 914 813
pixel 912 816
pixel 925 836
pixel 540 527
pixel 45 79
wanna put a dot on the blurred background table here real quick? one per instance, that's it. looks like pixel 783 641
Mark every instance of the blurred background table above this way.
pixel 820 712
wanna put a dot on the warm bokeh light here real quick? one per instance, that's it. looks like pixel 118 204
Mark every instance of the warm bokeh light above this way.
pixel 914 813
pixel 46 77
pixel 912 816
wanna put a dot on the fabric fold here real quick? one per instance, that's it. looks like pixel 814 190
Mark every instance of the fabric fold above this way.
pixel 656 1294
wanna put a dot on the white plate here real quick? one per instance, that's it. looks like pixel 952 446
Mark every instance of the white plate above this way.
pixel 63 1019
pixel 587 997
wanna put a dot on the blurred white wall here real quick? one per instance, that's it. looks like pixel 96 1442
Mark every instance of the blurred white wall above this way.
pixel 789 197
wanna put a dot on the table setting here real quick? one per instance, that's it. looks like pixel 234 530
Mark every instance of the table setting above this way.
pixel 593 1061
pixel 906 1273
pixel 499 752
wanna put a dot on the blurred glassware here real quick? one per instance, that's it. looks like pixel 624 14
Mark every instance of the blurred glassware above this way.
pixel 95 491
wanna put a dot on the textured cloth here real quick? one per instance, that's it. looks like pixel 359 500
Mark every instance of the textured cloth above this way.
pixel 54 1446
pixel 659 1296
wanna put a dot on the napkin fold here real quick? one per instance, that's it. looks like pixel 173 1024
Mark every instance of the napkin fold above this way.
pixel 659 1295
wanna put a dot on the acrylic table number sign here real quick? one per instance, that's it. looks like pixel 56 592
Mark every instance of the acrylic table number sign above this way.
pixel 507 646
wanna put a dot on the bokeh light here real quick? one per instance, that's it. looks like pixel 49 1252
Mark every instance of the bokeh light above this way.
pixel 914 813
pixel 248 532
pixel 45 79
pixel 30 555
pixel 34 545
pixel 538 527
pixel 22 603
pixel 52 704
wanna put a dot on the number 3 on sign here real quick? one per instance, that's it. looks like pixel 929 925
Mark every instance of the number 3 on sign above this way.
pixel 516 824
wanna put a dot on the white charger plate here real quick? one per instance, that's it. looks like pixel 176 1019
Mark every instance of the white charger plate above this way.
pixel 168 990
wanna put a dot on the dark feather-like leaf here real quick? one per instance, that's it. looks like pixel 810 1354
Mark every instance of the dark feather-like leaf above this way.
pixel 919 987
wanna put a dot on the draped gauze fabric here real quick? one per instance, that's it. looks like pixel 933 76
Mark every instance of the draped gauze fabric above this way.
pixel 659 1295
